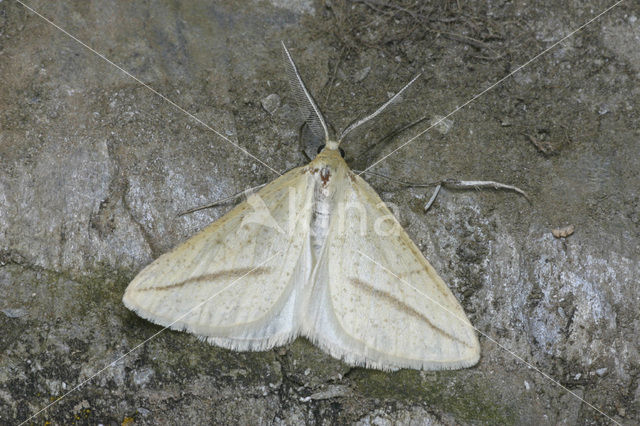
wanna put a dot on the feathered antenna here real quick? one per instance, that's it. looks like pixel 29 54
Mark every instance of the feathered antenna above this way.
pixel 310 111
pixel 377 112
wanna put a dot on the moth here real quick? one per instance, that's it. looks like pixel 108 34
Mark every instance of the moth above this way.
pixel 315 253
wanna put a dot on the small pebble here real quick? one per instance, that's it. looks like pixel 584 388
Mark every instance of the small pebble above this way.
pixel 601 371
pixel 442 125
pixel 271 103
pixel 362 74
pixel 563 232
pixel 14 313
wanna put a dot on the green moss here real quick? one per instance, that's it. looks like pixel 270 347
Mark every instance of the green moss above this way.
pixel 466 398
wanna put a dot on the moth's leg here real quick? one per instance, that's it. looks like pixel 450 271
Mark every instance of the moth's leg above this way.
pixel 454 183
pixel 222 201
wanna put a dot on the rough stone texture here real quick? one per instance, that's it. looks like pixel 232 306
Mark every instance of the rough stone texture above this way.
pixel 94 168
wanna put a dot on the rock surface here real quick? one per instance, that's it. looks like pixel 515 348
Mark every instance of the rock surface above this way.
pixel 94 168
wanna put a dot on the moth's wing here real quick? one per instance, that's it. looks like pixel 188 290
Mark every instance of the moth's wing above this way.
pixel 234 282
pixel 378 302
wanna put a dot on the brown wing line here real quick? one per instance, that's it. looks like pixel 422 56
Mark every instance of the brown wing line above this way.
pixel 402 306
pixel 227 273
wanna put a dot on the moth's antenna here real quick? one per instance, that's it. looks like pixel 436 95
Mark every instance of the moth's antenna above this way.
pixel 310 111
pixel 391 101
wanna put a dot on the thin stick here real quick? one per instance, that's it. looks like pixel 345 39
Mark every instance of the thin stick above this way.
pixel 335 72
pixel 433 198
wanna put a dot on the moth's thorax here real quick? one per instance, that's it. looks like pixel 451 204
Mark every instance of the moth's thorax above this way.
pixel 327 168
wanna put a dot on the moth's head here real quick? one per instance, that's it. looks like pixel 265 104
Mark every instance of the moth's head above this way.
pixel 331 145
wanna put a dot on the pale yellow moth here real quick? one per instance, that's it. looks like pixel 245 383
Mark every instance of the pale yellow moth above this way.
pixel 315 253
